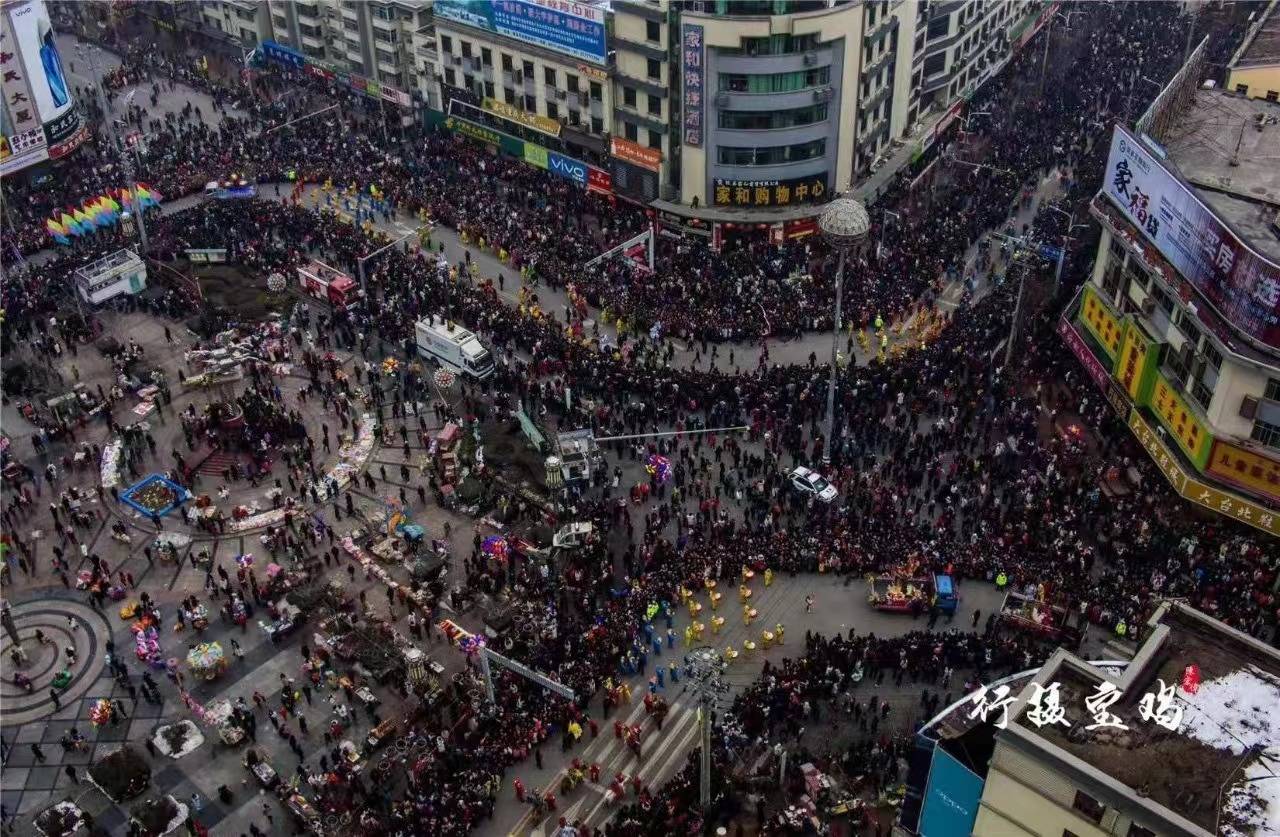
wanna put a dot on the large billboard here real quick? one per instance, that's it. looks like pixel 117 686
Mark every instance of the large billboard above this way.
pixel 1240 283
pixel 951 800
pixel 38 118
pixel 576 29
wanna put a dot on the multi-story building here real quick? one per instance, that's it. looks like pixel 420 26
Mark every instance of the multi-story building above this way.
pixel 1178 741
pixel 1254 70
pixel 1180 322
pixel 247 21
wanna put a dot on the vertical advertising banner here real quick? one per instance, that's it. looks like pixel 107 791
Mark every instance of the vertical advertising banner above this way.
pixel 691 51
pixel 1242 284
pixel 951 800
pixel 33 35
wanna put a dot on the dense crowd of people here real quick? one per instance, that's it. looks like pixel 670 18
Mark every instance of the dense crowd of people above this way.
pixel 946 461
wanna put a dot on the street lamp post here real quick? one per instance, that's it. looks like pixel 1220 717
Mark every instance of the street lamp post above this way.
pixel 845 226
pixel 1062 251
pixel 703 668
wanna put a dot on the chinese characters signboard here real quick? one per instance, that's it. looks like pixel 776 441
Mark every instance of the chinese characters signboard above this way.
pixel 691 50
pixel 530 120
pixel 1251 471
pixel 1241 284
pixel 1134 369
pixel 1101 322
pixel 1080 349
pixel 575 29
pixel 635 154
pixel 1179 420
pixel 289 57
pixel 754 193
pixel 1211 498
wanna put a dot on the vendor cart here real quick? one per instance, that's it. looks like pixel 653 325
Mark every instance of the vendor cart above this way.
pixel 1040 617
pixel 380 734
pixel 261 769
pixel 207 660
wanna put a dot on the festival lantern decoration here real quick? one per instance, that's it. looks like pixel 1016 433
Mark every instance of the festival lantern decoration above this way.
pixel 276 283
pixel 99 212
pixel 659 466
pixel 100 712
pixel 444 378
pixel 495 546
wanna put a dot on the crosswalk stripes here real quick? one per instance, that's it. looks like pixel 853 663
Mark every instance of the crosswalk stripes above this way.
pixel 663 754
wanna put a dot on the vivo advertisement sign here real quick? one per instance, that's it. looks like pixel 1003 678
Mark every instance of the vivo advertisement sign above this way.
pixel 1241 284
pixel 951 800
pixel 576 29
pixel 567 167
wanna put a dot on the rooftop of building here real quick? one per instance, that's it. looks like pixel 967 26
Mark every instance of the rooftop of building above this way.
pixel 1218 768
pixel 1261 46
pixel 1228 147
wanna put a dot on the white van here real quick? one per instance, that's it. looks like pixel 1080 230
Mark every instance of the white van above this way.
pixel 453 347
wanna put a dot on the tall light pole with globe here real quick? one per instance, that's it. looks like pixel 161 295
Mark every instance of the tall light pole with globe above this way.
pixel 845 225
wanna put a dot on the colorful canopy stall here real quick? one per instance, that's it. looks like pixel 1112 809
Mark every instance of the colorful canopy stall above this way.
pixel 207 660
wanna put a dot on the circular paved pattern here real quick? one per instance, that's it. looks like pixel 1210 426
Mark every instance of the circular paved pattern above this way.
pixel 64 623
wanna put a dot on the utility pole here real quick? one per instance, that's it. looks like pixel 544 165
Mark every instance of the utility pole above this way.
pixel 110 124
pixel 704 669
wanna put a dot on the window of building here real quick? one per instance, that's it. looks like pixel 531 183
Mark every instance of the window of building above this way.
pixel 1242 89
pixel 652 31
pixel 508 95
pixel 777 155
pixel 630 131
pixel 655 105
pixel 654 68
pixel 553 111
pixel 1213 356
pixel 450 77
pixel 549 76
pixel 629 96
pixel 531 103
pixel 775 82
pixel 597 125
pixel 774 45
pixel 597 92
pixel 1272 392
pixel 571 83
pixel 767 120
pixel 655 139
pixel 466 49
pixel 446 44
pixel 1136 830
pixel 935 64
pixel 528 71
pixel 1273 95
pixel 939 27
pixel 1266 433
pixel 486 56
pixel 1091 808
pixel 489 89
pixel 506 63
pixel 575 117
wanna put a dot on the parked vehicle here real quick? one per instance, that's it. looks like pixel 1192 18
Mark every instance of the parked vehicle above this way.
pixel 453 347
pixel 810 482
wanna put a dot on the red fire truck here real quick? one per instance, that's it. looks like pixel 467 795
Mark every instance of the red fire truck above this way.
pixel 326 284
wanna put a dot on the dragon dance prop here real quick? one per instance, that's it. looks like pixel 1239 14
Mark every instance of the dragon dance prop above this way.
pixel 99 212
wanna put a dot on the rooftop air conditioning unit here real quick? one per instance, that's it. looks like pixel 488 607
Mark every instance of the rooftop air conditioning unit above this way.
pixel 1249 407
pixel 1148 306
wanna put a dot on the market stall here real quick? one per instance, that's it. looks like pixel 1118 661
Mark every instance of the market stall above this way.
pixel 207 660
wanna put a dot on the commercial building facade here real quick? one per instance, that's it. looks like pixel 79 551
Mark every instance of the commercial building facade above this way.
pixel 39 117
pixel 1109 748
pixel 1180 321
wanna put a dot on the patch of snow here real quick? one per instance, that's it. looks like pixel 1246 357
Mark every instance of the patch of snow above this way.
pixel 1237 712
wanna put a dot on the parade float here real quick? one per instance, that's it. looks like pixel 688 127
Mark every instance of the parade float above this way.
pixel 897 594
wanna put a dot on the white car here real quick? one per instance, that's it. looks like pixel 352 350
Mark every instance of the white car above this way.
pixel 810 482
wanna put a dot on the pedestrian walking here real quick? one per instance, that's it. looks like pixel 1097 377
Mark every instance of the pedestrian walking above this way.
pixel 38 753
